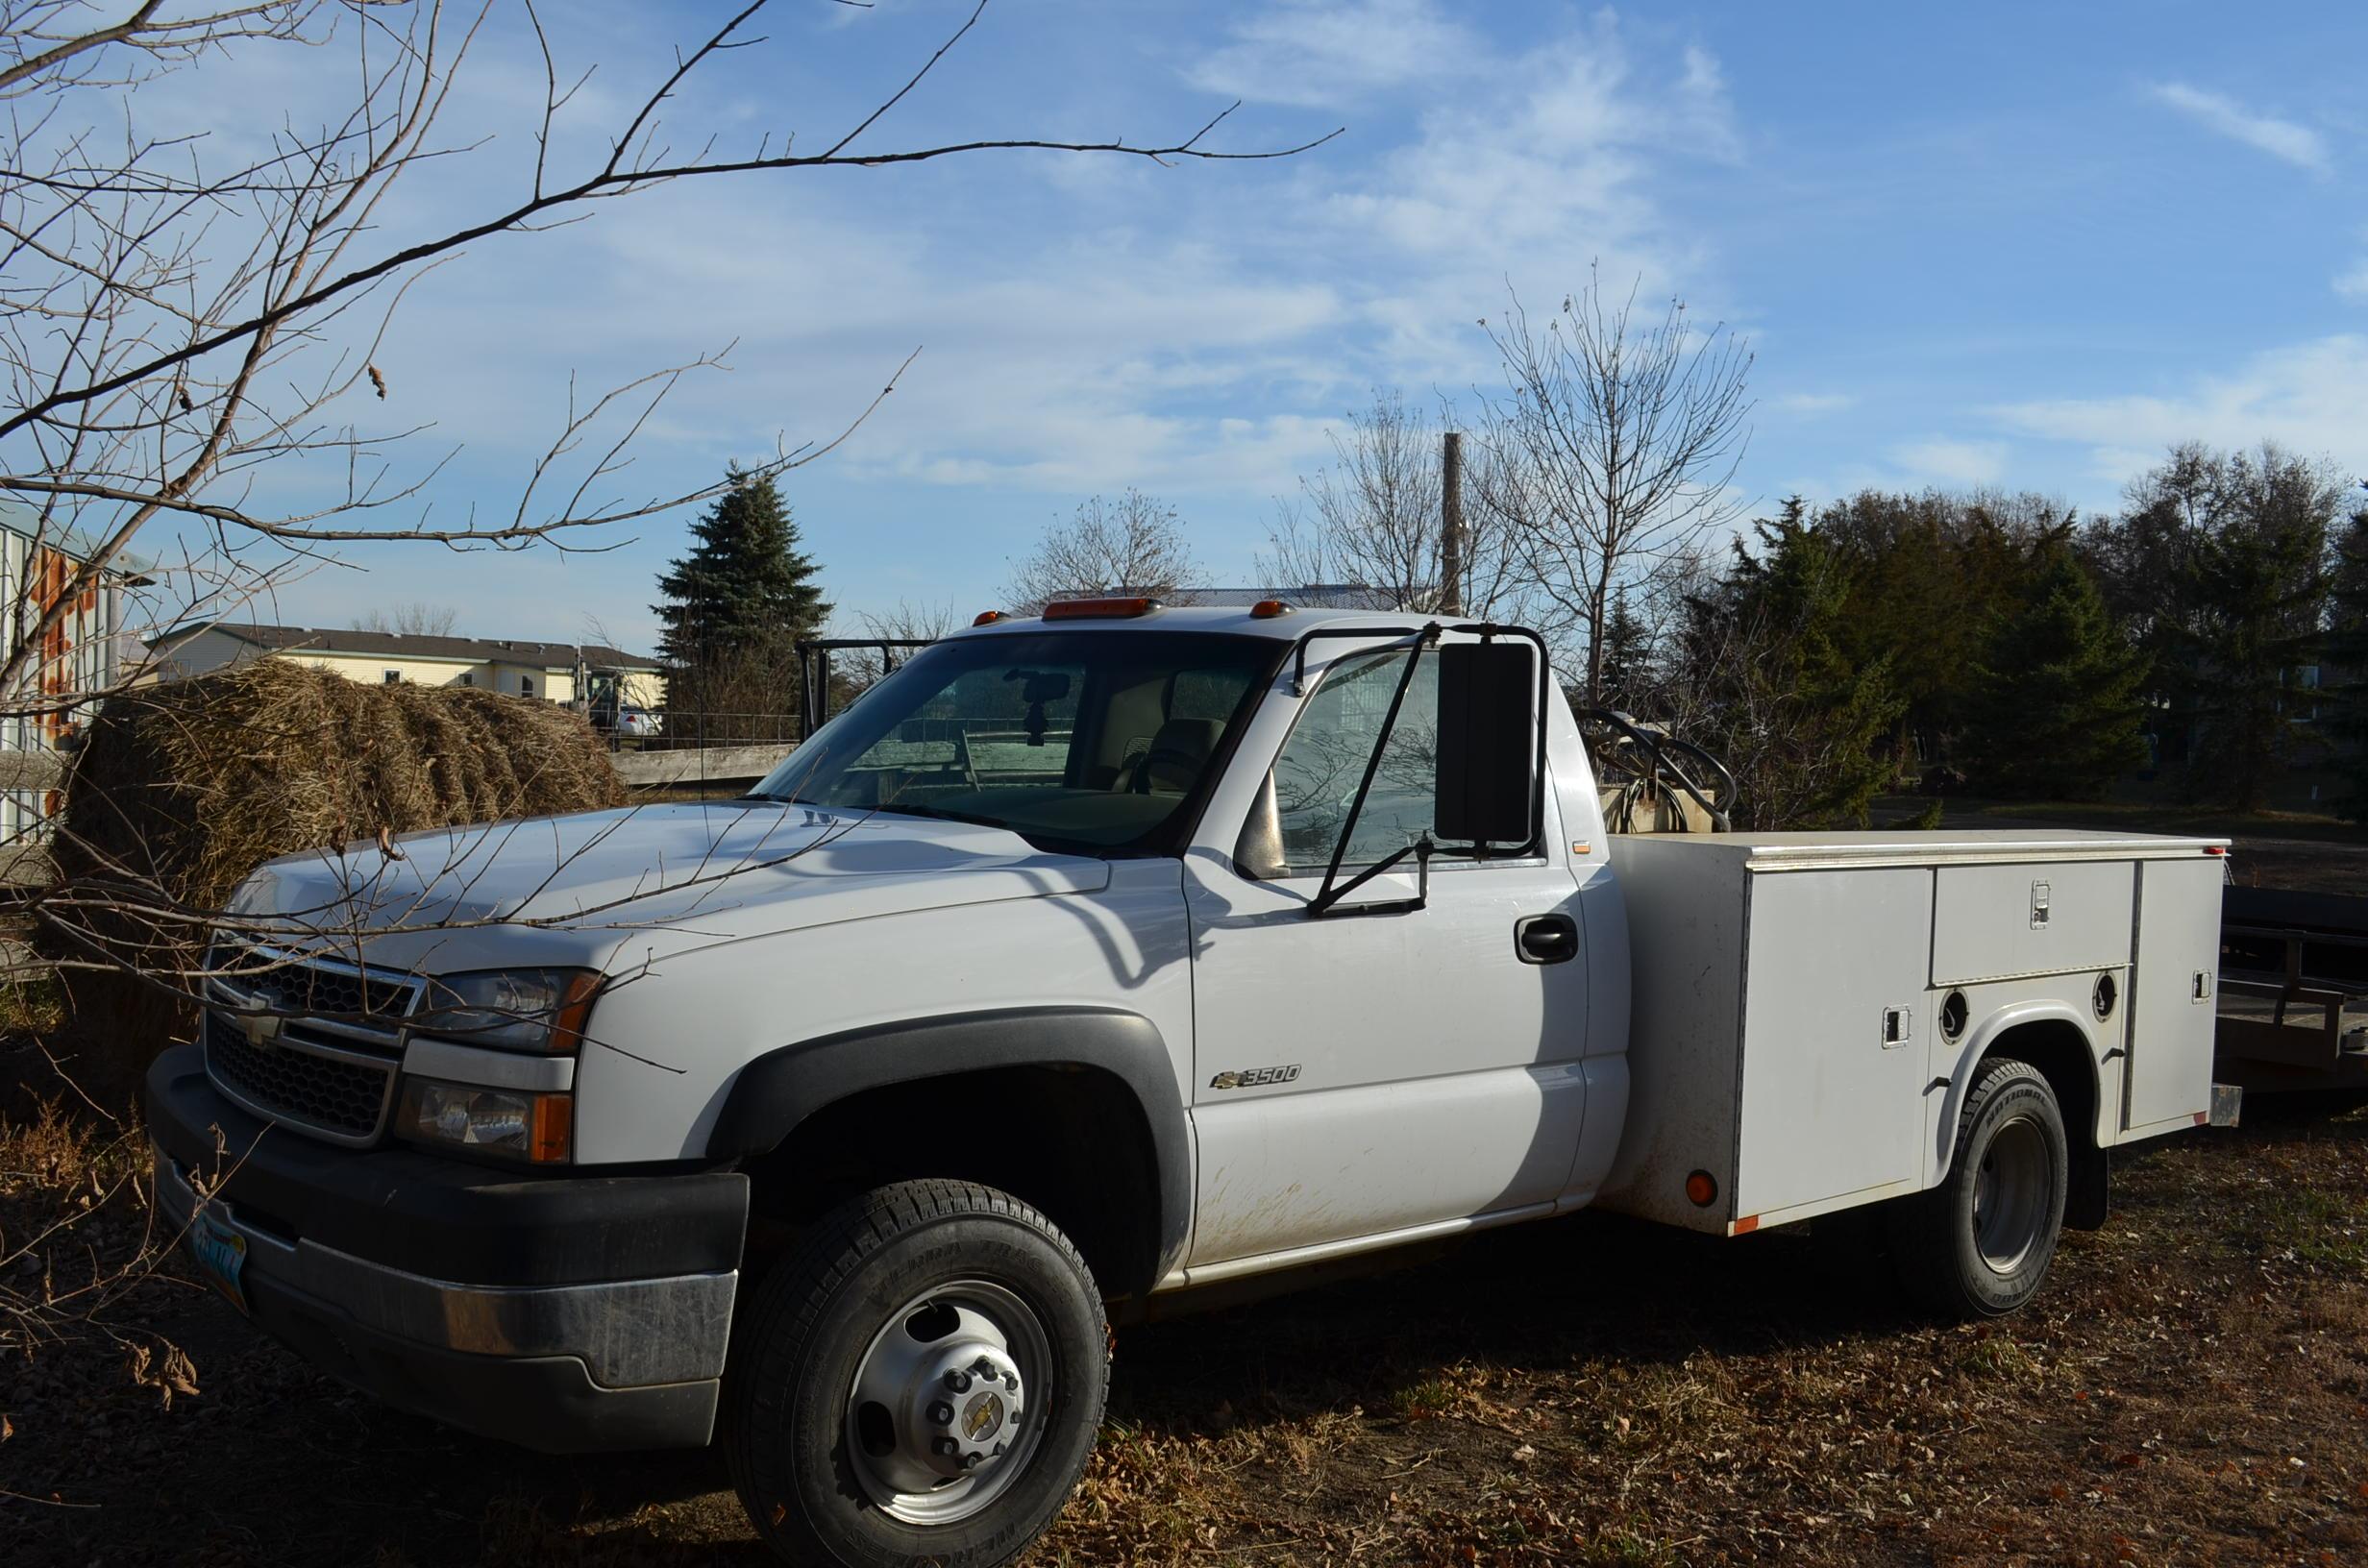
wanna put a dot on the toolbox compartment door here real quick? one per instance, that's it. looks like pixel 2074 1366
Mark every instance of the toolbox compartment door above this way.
pixel 1833 1055
pixel 1991 923
pixel 2172 1013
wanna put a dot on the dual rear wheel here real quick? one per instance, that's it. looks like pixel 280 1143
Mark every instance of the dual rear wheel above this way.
pixel 1979 1244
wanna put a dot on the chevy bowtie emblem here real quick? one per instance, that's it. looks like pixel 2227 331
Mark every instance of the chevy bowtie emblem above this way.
pixel 262 1029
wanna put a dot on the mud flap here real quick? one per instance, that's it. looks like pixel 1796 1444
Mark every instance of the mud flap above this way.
pixel 2085 1200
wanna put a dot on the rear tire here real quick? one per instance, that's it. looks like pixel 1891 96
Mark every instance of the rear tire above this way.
pixel 1979 1244
pixel 921 1381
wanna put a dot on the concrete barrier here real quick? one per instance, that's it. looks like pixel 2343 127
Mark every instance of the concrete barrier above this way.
pixel 702 765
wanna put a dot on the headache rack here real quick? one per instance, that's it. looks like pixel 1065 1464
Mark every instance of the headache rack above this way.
pixel 310 1042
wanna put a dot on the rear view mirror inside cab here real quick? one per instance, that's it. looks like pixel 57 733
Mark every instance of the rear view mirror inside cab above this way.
pixel 1488 745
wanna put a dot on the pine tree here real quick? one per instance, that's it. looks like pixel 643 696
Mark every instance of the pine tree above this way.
pixel 2059 694
pixel 2263 592
pixel 1627 656
pixel 1803 725
pixel 735 607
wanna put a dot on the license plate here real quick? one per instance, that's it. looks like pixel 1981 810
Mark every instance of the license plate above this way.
pixel 220 1252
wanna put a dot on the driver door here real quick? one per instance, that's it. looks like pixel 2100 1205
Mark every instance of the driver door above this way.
pixel 1361 1074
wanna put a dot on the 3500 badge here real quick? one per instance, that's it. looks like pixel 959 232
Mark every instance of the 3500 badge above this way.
pixel 1255 1077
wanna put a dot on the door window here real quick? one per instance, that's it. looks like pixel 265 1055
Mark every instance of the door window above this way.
pixel 1315 776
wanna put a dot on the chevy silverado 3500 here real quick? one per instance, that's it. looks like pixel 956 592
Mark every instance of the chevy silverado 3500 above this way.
pixel 1086 960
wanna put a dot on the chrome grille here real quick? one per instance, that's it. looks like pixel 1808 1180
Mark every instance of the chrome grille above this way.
pixel 317 988
pixel 341 1097
pixel 309 1042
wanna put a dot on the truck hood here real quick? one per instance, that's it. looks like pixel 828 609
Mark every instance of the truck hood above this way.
pixel 660 876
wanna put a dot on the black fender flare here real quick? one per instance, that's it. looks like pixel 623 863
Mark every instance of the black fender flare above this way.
pixel 770 1096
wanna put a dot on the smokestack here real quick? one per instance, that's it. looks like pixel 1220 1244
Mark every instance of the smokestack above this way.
pixel 1451 527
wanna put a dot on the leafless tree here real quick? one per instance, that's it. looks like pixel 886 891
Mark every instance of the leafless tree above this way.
pixel 191 325
pixel 415 620
pixel 1614 445
pixel 1132 543
pixel 1374 520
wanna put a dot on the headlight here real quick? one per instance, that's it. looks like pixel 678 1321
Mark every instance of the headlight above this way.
pixel 511 1010
pixel 512 1123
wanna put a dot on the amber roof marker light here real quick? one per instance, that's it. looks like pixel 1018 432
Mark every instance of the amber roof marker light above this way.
pixel 1266 609
pixel 987 618
pixel 1098 609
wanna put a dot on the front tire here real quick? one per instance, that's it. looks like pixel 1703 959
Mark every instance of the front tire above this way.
pixel 920 1382
pixel 1979 1244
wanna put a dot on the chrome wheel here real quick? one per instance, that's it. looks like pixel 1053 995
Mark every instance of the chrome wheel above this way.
pixel 2011 1195
pixel 942 1415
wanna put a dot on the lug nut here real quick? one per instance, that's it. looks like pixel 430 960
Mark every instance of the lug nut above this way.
pixel 983 1367
pixel 941 1415
pixel 1011 1380
pixel 969 1461
pixel 958 1381
pixel 945 1447
pixel 998 1451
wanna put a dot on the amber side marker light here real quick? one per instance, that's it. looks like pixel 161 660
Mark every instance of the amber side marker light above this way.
pixel 1702 1190
pixel 552 1134
pixel 1089 610
pixel 987 618
pixel 2215 848
pixel 1266 609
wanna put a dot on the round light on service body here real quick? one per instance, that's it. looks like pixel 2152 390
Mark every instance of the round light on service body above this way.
pixel 1702 1190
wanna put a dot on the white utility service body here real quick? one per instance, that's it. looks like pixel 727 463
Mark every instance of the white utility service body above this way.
pixel 1791 1032
pixel 1052 947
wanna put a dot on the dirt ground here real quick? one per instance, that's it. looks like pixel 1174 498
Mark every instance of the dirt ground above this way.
pixel 2192 1388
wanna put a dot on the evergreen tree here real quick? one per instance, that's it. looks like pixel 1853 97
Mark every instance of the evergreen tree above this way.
pixel 735 608
pixel 2260 587
pixel 2058 696
pixel 1803 725
pixel 1627 656
pixel 2344 676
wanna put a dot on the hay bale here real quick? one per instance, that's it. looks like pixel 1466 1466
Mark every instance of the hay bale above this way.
pixel 180 789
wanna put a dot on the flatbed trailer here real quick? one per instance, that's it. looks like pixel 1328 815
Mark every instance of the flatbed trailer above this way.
pixel 2293 1012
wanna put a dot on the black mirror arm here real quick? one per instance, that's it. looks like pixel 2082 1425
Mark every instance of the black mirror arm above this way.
pixel 1327 895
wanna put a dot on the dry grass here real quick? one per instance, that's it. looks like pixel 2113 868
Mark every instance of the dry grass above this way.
pixel 180 789
pixel 2192 1389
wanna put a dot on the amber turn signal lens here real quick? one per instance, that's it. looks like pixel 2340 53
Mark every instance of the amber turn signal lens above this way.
pixel 554 1126
pixel 1702 1190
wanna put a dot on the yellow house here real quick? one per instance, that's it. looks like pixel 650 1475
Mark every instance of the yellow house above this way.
pixel 549 671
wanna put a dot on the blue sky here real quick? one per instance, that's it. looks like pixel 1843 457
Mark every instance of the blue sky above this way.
pixel 2017 245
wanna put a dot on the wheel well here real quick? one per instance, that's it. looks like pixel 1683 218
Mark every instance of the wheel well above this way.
pixel 1070 1140
pixel 2063 1055
pixel 2060 1052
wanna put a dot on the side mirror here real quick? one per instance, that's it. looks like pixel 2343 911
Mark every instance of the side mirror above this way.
pixel 1487 743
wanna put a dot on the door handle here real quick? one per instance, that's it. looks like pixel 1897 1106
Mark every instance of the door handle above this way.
pixel 1545 939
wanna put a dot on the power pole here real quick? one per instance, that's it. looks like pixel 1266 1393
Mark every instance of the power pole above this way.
pixel 1451 527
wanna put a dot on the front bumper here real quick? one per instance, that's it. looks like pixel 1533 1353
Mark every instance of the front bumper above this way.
pixel 567 1313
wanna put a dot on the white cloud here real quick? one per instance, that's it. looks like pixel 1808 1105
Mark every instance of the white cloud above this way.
pixel 1809 405
pixel 2306 396
pixel 1941 460
pixel 2296 144
pixel 2353 284
pixel 1321 54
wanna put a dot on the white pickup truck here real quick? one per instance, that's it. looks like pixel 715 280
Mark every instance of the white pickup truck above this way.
pixel 1086 961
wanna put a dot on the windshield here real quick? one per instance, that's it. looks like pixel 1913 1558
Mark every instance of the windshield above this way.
pixel 1094 740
